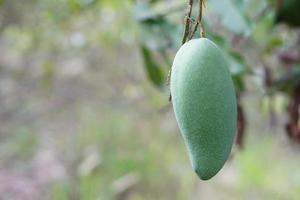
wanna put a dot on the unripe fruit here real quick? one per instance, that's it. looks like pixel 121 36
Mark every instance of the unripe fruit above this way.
pixel 204 103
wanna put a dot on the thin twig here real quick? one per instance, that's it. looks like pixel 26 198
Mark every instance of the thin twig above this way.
pixel 187 21
pixel 199 21
pixel 187 29
pixel 202 32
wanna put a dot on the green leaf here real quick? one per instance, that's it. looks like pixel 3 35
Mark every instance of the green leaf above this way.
pixel 273 43
pixel 73 5
pixel 159 34
pixel 153 1
pixel 237 63
pixel 238 68
pixel 219 40
pixel 231 15
pixel 154 71
pixel 264 28
pixel 143 11
pixel 155 31
pixel 254 8
pixel 239 83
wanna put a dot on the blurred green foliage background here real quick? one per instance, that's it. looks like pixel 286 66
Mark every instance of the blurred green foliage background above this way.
pixel 84 111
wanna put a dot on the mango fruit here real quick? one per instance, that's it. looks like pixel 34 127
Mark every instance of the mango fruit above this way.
pixel 204 103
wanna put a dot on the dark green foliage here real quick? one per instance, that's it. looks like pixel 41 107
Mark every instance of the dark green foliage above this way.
pixel 154 72
pixel 289 12
pixel 158 33
pixel 289 81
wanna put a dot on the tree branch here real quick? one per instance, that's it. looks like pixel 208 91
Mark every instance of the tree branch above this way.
pixel 187 22
pixel 199 21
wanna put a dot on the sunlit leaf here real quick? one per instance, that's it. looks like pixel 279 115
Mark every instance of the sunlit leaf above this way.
pixel 273 43
pixel 263 28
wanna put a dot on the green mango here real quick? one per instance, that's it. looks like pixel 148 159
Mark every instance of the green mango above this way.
pixel 204 103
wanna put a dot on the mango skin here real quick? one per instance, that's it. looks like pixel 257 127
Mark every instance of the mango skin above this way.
pixel 204 103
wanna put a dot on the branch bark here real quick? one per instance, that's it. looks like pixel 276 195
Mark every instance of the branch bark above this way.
pixel 188 21
pixel 199 21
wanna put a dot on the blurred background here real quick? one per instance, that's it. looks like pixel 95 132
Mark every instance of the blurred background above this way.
pixel 84 110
